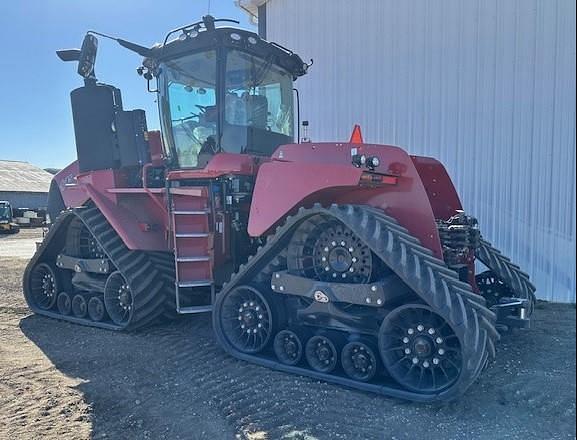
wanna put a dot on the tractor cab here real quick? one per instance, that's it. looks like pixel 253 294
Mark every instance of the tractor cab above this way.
pixel 223 90
pixel 220 89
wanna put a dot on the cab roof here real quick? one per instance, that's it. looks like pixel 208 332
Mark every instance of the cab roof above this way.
pixel 232 38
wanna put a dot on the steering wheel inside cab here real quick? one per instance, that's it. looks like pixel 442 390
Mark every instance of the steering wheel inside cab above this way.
pixel 207 115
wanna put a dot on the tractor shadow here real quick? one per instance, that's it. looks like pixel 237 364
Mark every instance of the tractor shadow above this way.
pixel 173 381
pixel 135 384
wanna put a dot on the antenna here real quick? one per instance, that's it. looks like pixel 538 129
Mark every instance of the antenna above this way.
pixel 208 7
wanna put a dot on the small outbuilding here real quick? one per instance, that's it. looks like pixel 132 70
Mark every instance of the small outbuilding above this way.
pixel 24 185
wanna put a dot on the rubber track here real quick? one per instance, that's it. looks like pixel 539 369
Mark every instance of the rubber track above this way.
pixel 164 263
pixel 429 277
pixel 509 273
pixel 147 283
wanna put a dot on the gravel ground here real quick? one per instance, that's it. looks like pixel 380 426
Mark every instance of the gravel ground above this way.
pixel 62 381
pixel 21 245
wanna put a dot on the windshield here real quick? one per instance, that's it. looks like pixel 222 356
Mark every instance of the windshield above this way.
pixel 248 110
pixel 188 106
pixel 5 213
pixel 258 105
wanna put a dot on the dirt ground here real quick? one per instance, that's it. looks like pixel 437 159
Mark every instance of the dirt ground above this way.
pixel 62 381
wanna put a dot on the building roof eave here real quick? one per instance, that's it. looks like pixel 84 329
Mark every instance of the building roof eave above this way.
pixel 250 7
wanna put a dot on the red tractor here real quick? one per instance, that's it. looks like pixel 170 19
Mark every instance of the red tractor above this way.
pixel 348 262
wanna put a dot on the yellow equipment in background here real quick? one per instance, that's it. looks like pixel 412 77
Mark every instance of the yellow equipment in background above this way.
pixel 7 226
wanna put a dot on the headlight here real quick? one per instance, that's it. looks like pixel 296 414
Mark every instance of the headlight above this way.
pixel 359 160
pixel 373 162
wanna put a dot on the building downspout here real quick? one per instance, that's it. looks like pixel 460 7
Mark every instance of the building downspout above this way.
pixel 261 14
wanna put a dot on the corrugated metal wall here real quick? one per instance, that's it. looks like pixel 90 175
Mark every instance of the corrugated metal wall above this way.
pixel 486 86
pixel 28 200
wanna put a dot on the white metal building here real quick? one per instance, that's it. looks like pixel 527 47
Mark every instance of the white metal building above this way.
pixel 486 86
pixel 24 185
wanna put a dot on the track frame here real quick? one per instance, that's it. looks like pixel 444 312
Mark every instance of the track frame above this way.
pixel 149 285
pixel 433 282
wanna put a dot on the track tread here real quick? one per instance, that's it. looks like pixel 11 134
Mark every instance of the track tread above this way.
pixel 429 277
pixel 509 272
pixel 147 282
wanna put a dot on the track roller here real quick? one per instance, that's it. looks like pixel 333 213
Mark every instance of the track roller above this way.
pixel 359 361
pixel 64 303
pixel 288 347
pixel 321 354
pixel 79 306
pixel 96 309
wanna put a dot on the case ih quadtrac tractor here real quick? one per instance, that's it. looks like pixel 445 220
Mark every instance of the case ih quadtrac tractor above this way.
pixel 348 262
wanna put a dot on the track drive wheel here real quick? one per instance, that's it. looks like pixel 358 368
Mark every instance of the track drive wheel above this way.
pixel 327 250
pixel 43 286
pixel 81 242
pixel 419 349
pixel 246 319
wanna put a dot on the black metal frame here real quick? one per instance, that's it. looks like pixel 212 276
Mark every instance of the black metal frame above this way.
pixel 370 295
pixel 100 266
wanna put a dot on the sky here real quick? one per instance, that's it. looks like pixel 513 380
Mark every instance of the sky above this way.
pixel 35 116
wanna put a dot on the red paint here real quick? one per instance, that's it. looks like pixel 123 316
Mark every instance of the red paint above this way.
pixel 442 195
pixel 72 193
pixel 414 190
pixel 302 174
pixel 128 217
pixel 282 186
pixel 221 164
pixel 156 150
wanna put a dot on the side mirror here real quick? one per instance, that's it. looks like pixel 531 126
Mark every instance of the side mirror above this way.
pixel 87 56
pixel 68 54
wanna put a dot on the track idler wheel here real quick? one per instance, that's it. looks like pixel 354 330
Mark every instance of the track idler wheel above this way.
pixel 246 319
pixel 96 309
pixel 79 306
pixel 321 354
pixel 64 303
pixel 288 347
pixel 359 361
pixel 118 299
pixel 419 349
pixel 43 286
